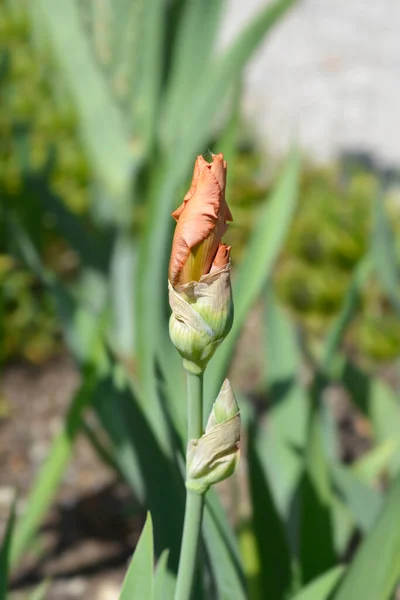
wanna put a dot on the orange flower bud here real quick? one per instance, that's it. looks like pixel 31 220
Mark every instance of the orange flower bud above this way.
pixel 201 223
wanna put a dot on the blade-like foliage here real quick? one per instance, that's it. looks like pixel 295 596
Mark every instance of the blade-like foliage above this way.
pixel 384 409
pixel 154 478
pixel 164 581
pixel 346 313
pixel 384 254
pixel 273 553
pixel 192 54
pixel 363 501
pixel 40 592
pixel 322 587
pixel 108 144
pixel 51 473
pixel 139 580
pixel 376 566
pixel 226 572
pixel 377 461
pixel 315 522
pixel 284 438
pixel 255 269
pixel 5 550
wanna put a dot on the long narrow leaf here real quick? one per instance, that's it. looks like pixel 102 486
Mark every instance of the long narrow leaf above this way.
pixel 104 131
pixel 40 592
pixel 192 55
pixel 364 501
pixel 384 254
pixel 164 580
pixel 5 549
pixel 51 473
pixel 153 476
pixel 255 268
pixel 384 409
pixel 321 588
pixel 376 567
pixel 283 442
pixel 226 573
pixel 274 559
pixel 139 580
pixel 347 312
pixel 316 529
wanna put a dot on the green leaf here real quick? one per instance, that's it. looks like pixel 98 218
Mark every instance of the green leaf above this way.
pixel 103 128
pixel 322 587
pixel 384 253
pixel 222 557
pixel 139 579
pixel 384 410
pixel 285 431
pixel 282 352
pixel 40 592
pixel 273 554
pixel 316 530
pixel 164 580
pixel 364 501
pixel 346 313
pixel 255 269
pixel 282 443
pixel 50 475
pixel 153 476
pixel 377 461
pixel 343 525
pixel 374 571
pixel 147 60
pixel 223 72
pixel 358 385
pixel 5 554
pixel 93 248
pixel 192 55
pixel 122 285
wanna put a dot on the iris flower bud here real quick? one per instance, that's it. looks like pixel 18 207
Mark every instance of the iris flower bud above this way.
pixel 199 271
pixel 215 455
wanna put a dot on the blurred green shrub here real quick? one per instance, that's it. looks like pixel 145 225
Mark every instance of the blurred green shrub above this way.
pixel 329 234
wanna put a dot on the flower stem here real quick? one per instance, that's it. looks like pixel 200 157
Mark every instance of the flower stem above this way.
pixel 194 502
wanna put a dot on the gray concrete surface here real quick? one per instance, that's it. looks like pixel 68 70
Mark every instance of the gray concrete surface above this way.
pixel 328 75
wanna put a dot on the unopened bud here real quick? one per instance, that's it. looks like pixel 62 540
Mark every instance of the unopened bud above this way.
pixel 215 455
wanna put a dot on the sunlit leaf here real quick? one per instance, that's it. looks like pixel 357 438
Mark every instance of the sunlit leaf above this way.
pixel 375 569
pixel 256 266
pixel 364 501
pixel 139 579
pixel 52 471
pixel 164 580
pixel 322 587
pixel 273 553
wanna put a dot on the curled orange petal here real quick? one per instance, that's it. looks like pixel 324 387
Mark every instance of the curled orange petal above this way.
pixel 201 222
pixel 221 258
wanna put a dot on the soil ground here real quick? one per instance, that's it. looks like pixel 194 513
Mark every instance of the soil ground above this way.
pixel 86 539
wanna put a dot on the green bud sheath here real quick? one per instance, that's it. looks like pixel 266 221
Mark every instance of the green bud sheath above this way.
pixel 215 455
pixel 202 316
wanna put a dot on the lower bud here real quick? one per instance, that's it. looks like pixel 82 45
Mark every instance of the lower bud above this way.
pixel 214 456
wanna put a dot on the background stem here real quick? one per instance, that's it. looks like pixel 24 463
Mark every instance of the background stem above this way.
pixel 194 502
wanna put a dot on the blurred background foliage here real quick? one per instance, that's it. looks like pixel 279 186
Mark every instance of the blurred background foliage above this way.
pixel 104 107
pixel 329 235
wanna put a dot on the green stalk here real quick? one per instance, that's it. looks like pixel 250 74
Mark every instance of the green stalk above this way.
pixel 194 502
